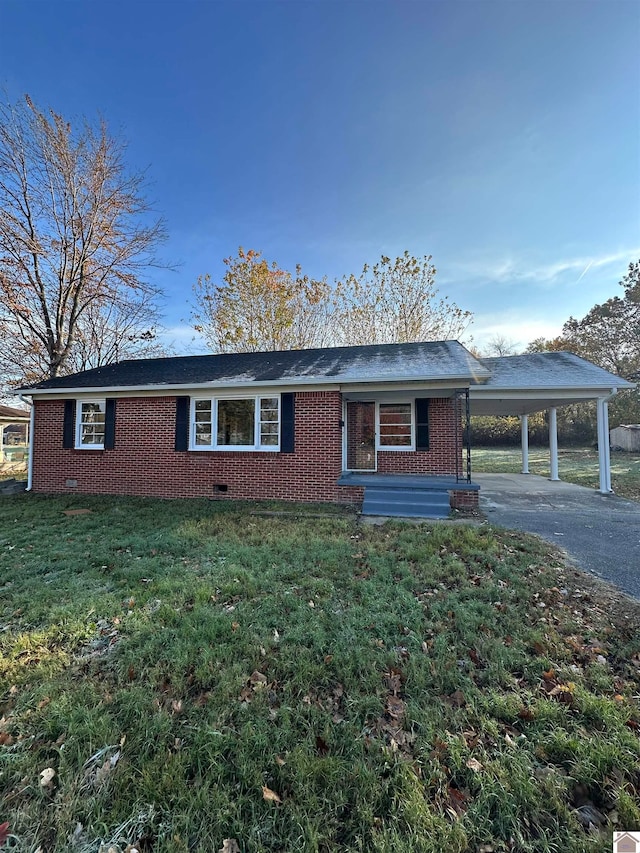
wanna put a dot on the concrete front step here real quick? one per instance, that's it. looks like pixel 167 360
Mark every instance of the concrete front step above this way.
pixel 403 502
pixel 403 511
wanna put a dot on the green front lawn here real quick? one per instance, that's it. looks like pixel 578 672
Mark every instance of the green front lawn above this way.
pixel 179 675
pixel 576 465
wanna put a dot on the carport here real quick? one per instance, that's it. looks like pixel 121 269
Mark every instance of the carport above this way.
pixel 524 384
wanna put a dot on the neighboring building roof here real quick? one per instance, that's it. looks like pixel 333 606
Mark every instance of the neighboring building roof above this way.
pixel 442 360
pixel 541 370
pixel 18 414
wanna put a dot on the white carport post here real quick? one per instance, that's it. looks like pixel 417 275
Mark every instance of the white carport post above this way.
pixel 524 431
pixel 604 456
pixel 553 443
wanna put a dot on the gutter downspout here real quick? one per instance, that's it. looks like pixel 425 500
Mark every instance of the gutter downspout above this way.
pixel 31 423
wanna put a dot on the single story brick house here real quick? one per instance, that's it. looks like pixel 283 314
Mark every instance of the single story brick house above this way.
pixel 386 424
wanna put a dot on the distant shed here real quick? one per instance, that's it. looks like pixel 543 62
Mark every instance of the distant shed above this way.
pixel 625 437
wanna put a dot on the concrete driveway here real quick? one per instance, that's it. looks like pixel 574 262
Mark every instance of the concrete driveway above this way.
pixel 601 533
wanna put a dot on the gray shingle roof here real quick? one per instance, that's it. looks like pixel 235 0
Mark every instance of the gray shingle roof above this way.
pixel 548 370
pixel 442 360
pixel 10 412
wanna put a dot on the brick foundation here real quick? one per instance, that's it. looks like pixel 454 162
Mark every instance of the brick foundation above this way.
pixel 144 461
pixel 464 499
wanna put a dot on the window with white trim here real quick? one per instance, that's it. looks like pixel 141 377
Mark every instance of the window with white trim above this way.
pixel 235 423
pixel 90 424
pixel 395 426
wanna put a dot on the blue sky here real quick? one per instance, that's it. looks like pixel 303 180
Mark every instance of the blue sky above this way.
pixel 503 138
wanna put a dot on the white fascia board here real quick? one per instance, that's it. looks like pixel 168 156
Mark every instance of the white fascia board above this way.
pixel 438 388
pixel 248 387
pixel 537 393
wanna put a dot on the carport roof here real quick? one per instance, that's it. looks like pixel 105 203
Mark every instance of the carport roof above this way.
pixel 548 370
pixel 522 384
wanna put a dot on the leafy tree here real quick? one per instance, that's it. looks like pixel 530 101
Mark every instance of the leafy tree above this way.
pixel 548 345
pixel 609 334
pixel 260 307
pixel 76 239
pixel 395 301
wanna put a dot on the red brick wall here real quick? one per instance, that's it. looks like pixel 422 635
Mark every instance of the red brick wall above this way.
pixel 442 454
pixel 144 462
pixel 464 500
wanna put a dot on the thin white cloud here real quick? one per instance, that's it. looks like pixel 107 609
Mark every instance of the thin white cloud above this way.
pixel 181 339
pixel 511 270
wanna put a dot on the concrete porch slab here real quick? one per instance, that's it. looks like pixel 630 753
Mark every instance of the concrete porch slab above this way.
pixel 406 481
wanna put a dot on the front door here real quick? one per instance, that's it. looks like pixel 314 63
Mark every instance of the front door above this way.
pixel 361 436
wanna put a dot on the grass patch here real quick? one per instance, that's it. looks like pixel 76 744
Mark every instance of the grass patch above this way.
pixel 187 672
pixel 576 465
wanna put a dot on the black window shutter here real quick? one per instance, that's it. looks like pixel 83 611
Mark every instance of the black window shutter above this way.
pixel 69 424
pixel 287 423
pixel 110 425
pixel 422 423
pixel 182 423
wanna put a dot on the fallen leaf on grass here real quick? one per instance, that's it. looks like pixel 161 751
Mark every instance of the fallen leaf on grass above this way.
pixel 229 845
pixel 458 800
pixel 4 832
pixel 47 777
pixel 280 761
pixel 393 680
pixel 474 764
pixel 395 707
pixel 526 714
pixel 563 693
pixel 269 795
pixel 458 699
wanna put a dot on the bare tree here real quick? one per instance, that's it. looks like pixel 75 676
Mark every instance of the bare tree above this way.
pixel 500 345
pixel 260 307
pixel 115 331
pixel 395 301
pixel 76 240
